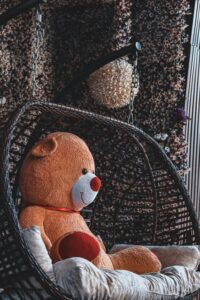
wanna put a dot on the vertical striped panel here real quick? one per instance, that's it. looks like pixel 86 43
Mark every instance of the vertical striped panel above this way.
pixel 192 106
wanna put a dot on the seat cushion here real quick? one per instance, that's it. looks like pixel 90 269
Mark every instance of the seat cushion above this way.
pixel 81 279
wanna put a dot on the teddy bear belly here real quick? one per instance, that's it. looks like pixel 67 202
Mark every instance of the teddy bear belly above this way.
pixel 56 224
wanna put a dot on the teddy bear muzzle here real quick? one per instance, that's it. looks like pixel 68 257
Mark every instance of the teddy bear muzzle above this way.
pixel 85 190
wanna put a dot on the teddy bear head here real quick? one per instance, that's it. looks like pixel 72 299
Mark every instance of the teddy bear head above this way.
pixel 59 172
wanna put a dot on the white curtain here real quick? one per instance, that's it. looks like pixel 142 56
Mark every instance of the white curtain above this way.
pixel 192 107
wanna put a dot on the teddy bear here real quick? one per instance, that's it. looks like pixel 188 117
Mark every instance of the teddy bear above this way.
pixel 57 180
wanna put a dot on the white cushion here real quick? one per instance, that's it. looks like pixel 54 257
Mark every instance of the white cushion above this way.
pixel 81 279
pixel 32 237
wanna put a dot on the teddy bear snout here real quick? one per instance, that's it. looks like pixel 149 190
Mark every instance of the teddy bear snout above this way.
pixel 95 184
pixel 85 190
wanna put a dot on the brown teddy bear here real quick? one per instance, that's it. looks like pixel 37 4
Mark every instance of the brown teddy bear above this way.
pixel 56 181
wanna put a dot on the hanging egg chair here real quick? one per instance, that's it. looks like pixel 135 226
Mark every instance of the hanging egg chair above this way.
pixel 143 200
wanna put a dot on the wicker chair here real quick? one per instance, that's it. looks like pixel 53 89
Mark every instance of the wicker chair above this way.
pixel 142 201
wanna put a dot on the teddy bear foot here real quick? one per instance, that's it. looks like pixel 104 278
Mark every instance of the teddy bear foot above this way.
pixel 137 259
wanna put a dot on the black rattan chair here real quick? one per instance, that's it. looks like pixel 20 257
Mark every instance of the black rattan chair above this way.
pixel 142 201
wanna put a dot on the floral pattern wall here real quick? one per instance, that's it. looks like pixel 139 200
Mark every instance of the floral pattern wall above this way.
pixel 78 32
pixel 162 29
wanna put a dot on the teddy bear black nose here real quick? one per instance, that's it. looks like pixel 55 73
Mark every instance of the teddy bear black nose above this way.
pixel 95 184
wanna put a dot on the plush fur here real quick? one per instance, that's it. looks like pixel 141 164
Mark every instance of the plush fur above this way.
pixel 47 177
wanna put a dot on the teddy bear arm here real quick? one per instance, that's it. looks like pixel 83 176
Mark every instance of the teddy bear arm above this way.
pixel 31 216
pixel 45 238
pixel 101 243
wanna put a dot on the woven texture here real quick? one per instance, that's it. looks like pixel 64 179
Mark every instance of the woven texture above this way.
pixel 142 200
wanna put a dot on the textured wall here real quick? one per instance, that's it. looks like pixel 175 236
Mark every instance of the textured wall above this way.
pixel 160 26
pixel 78 32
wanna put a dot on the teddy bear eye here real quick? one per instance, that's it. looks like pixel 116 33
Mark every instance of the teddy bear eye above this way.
pixel 84 171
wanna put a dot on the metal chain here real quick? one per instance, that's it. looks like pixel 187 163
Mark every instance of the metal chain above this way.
pixel 134 85
pixel 37 43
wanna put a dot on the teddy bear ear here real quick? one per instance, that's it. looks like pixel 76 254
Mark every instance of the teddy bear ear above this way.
pixel 45 148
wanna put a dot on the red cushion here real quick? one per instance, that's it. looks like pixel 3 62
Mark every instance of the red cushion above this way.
pixel 79 244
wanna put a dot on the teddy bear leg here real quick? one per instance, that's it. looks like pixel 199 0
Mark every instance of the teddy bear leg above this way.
pixel 103 261
pixel 138 259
